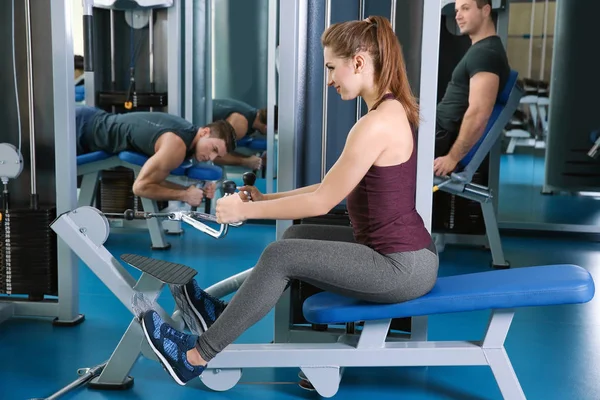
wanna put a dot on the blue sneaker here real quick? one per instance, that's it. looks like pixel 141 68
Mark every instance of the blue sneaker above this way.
pixel 205 308
pixel 171 347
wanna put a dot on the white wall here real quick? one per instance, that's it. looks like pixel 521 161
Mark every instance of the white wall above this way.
pixel 77 27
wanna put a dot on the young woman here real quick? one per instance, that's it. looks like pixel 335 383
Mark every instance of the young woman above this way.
pixel 387 256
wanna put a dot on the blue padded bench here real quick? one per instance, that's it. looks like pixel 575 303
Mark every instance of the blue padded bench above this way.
pixel 200 172
pixel 92 157
pixel 90 165
pixel 460 182
pixel 253 143
pixel 500 291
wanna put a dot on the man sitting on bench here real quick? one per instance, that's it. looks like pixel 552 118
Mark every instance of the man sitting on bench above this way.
pixel 245 119
pixel 167 139
pixel 393 258
pixel 479 77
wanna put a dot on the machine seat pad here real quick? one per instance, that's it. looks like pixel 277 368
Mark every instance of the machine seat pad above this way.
pixel 92 157
pixel 201 172
pixel 205 172
pixel 253 143
pixel 140 159
pixel 164 271
pixel 499 289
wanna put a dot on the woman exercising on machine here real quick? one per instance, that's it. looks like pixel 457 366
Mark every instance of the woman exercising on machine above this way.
pixel 387 256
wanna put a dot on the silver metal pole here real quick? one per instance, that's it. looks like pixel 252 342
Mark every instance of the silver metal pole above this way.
pixel 208 66
pixel 175 58
pixel 361 16
pixel 189 60
pixel 271 92
pixel 30 97
pixel 544 40
pixel 325 99
pixel 430 49
pixel 88 51
pixel 393 15
pixel 151 51
pixel 113 75
pixel 531 25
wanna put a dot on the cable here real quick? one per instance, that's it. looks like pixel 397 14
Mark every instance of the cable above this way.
pixel 15 72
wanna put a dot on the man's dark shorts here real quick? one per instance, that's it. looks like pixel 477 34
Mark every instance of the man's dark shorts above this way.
pixel 443 141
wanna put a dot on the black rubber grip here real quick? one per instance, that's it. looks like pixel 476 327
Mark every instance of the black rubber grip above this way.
pixel 88 43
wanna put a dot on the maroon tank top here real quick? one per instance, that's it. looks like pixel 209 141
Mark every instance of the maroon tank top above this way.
pixel 382 207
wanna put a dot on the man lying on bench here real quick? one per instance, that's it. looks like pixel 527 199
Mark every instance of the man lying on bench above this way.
pixel 393 258
pixel 167 139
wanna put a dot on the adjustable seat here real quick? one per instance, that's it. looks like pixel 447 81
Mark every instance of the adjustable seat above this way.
pixel 460 182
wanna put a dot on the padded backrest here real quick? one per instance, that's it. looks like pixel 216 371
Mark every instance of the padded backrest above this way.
pixel 506 104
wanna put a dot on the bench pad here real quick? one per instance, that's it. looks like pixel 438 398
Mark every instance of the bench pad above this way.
pixel 92 157
pixel 510 288
pixel 205 172
pixel 200 172
pixel 140 159
pixel 252 143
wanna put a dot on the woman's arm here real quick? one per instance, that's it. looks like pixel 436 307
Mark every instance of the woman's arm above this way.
pixel 294 192
pixel 365 143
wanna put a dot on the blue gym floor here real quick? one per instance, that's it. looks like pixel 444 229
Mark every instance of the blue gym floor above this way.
pixel 555 350
pixel 520 198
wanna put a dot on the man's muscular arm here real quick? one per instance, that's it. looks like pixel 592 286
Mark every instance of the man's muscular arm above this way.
pixel 151 182
pixel 239 123
pixel 482 97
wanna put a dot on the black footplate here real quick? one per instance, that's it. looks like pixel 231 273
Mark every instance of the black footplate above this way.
pixel 164 271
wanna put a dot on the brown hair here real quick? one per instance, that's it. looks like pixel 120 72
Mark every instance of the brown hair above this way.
pixel 262 116
pixel 483 3
pixel 222 129
pixel 375 35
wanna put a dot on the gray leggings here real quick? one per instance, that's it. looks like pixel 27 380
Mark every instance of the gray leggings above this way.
pixel 326 257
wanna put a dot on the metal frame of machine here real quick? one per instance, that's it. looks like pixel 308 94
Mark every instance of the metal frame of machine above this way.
pixel 65 308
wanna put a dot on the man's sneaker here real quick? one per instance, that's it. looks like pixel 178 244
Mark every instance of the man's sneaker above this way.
pixel 171 347
pixel 205 307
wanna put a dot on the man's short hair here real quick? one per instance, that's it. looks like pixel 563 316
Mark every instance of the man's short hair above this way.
pixel 78 62
pixel 482 3
pixel 262 116
pixel 224 130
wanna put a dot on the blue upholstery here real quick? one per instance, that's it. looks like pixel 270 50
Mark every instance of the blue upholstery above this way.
pixel 140 159
pixel 79 93
pixel 499 289
pixel 92 157
pixel 252 143
pixel 205 172
pixel 200 172
pixel 498 107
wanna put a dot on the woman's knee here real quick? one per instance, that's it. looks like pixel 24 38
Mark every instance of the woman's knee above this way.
pixel 272 256
pixel 292 232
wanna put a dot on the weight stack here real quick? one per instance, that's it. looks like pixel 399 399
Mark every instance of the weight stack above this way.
pixel 29 262
pixel 455 214
pixel 115 192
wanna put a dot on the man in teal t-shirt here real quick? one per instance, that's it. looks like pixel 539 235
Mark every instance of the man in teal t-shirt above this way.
pixel 168 140
pixel 245 119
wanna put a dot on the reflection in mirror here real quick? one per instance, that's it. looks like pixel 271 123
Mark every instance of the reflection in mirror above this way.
pixel 548 181
pixel 242 61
